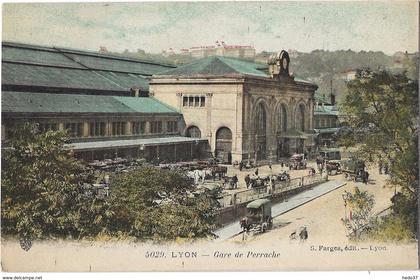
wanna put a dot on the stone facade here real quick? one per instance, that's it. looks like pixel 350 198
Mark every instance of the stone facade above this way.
pixel 243 116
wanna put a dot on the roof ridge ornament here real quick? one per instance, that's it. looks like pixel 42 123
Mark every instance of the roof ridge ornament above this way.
pixel 278 64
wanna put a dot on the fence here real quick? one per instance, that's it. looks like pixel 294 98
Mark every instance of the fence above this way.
pixel 262 192
pixel 373 220
pixel 312 179
pixel 251 194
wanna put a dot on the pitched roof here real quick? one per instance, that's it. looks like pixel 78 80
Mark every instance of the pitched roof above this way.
pixel 217 66
pixel 30 65
pixel 321 98
pixel 25 102
pixel 326 110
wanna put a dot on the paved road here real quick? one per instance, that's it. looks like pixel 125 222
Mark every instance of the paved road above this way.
pixel 280 208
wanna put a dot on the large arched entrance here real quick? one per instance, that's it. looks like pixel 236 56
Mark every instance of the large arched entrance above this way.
pixel 260 128
pixel 224 144
pixel 193 132
pixel 281 128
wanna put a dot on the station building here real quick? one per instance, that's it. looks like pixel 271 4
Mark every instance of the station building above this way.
pixel 102 100
pixel 243 109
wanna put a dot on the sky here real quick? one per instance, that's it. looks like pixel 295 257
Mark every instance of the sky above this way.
pixel 269 26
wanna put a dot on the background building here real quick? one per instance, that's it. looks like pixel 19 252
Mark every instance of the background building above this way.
pixel 220 49
pixel 326 123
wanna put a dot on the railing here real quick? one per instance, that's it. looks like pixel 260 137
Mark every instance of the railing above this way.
pixel 251 194
pixel 312 179
pixel 355 232
pixel 225 201
pixel 265 191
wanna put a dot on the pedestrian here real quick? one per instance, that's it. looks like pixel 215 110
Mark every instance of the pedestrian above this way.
pixel 235 181
pixel 256 172
pixel 224 182
pixel 247 180
pixel 386 168
pixel 269 187
pixel 270 166
pixel 240 165
pixel 364 177
pixel 282 164
pixel 303 234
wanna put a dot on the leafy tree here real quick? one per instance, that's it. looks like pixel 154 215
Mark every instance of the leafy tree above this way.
pixel 382 109
pixel 360 204
pixel 42 188
pixel 156 204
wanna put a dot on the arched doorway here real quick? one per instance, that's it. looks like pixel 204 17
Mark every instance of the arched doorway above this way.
pixel 224 144
pixel 193 132
pixel 260 128
pixel 281 128
pixel 300 125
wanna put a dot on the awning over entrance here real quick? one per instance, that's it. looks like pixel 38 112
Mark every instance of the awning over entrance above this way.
pixel 326 130
pixel 109 144
pixel 296 134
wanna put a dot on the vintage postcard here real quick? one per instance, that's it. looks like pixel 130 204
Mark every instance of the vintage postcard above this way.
pixel 209 136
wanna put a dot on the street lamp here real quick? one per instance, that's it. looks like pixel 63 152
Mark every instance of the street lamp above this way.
pixel 345 197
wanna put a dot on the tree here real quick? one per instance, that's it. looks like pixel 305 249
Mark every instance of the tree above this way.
pixel 42 188
pixel 360 204
pixel 150 203
pixel 382 110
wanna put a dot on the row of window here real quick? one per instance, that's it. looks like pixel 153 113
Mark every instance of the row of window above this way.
pixel 321 123
pixel 194 101
pixel 97 129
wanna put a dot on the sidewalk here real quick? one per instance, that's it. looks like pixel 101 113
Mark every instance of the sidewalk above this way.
pixel 280 208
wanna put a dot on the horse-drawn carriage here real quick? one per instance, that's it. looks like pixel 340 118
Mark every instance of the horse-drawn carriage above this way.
pixel 297 161
pixel 333 167
pixel 353 168
pixel 258 216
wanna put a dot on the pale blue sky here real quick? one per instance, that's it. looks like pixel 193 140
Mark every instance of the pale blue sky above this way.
pixel 270 26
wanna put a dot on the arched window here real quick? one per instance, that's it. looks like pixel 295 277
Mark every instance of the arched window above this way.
pixel 193 132
pixel 224 133
pixel 281 118
pixel 260 120
pixel 300 118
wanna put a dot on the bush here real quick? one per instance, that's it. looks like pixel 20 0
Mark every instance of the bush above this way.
pixel 391 228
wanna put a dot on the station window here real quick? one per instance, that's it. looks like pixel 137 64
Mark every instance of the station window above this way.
pixel 138 128
pixel 194 101
pixel 97 129
pixel 156 127
pixel 118 128
pixel 44 127
pixel 74 129
pixel 172 126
